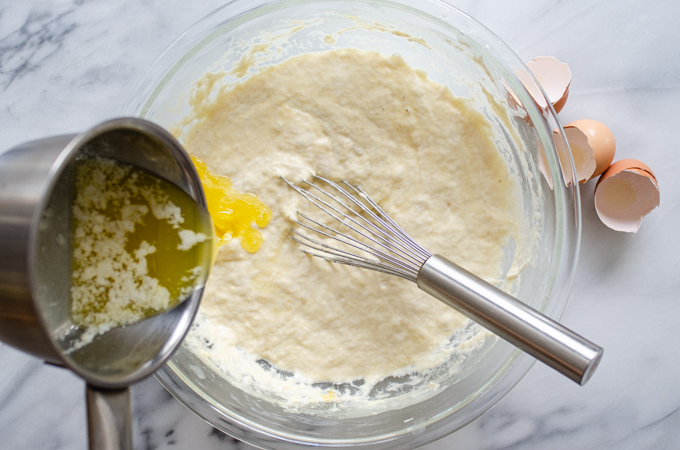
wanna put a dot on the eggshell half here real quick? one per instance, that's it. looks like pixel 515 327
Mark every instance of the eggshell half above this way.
pixel 625 193
pixel 627 164
pixel 581 152
pixel 564 157
pixel 512 98
pixel 600 139
pixel 543 165
pixel 532 88
pixel 554 77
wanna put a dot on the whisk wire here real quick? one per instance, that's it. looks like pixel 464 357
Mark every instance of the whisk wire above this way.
pixel 398 231
pixel 336 255
pixel 384 241
pixel 387 230
pixel 385 237
pixel 354 243
pixel 360 264
pixel 391 255
pixel 395 234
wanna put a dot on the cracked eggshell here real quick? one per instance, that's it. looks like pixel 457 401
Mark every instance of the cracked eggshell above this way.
pixel 516 104
pixel 625 193
pixel 532 88
pixel 581 152
pixel 600 139
pixel 553 76
pixel 512 98
pixel 564 161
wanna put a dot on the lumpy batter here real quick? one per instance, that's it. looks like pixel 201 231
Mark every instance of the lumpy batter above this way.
pixel 425 155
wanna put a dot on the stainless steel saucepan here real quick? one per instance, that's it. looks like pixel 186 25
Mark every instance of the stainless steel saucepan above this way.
pixel 35 268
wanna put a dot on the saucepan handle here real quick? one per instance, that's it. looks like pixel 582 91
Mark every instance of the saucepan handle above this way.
pixel 109 419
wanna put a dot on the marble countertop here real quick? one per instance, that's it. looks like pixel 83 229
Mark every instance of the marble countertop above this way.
pixel 66 65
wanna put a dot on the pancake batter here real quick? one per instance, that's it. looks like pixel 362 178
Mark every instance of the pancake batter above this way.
pixel 426 156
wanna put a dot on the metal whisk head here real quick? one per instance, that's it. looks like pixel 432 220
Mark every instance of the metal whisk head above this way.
pixel 376 242
pixel 382 245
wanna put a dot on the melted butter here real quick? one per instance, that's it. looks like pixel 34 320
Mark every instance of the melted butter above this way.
pixel 233 212
pixel 138 244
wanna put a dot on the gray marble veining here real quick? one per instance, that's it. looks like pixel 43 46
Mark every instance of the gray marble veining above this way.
pixel 66 65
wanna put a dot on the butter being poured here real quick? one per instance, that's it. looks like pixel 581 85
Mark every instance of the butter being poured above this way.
pixel 233 213
pixel 138 245
pixel 137 240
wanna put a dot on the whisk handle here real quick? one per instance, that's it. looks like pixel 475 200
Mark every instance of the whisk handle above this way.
pixel 538 335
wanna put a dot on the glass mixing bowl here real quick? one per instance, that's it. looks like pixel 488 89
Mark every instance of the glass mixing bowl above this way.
pixel 455 51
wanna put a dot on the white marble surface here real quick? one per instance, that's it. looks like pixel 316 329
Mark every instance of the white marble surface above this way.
pixel 66 65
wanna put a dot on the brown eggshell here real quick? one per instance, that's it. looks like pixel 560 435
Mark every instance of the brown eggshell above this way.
pixel 532 88
pixel 516 104
pixel 600 139
pixel 629 163
pixel 564 157
pixel 625 193
pixel 543 165
pixel 512 98
pixel 645 173
pixel 581 152
pixel 554 77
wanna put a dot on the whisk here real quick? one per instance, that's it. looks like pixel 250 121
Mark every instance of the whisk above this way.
pixel 377 243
